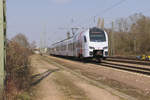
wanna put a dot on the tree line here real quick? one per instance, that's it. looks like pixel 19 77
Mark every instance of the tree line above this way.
pixel 130 36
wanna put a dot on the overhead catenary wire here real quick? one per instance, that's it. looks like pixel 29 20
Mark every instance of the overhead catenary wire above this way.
pixel 96 15
pixel 105 10
pixel 111 7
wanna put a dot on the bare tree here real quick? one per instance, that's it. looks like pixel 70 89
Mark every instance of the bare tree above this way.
pixel 132 35
pixel 22 40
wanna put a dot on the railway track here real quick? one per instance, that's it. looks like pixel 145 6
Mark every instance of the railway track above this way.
pixel 132 68
pixel 141 67
pixel 130 61
pixel 130 65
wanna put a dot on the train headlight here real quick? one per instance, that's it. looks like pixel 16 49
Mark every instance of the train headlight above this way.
pixel 91 47
pixel 105 47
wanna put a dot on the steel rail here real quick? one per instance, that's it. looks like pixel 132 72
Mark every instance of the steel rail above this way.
pixel 141 70
pixel 139 62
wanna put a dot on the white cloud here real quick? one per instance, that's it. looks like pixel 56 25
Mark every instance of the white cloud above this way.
pixel 61 1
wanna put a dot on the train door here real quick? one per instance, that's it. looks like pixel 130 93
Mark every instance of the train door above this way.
pixel 85 46
pixel 79 45
pixel 74 49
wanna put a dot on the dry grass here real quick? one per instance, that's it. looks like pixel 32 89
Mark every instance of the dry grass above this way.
pixel 17 68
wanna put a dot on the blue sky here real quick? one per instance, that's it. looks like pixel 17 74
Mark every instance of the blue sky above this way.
pixel 34 17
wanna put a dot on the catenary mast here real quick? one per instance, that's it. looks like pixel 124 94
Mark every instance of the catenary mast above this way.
pixel 2 45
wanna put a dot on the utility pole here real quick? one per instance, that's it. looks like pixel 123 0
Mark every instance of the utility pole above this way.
pixel 41 43
pixel 74 30
pixel 99 23
pixel 44 37
pixel 43 40
pixel 2 45
pixel 102 24
pixel 94 19
pixel 135 45
pixel 112 40
pixel 68 35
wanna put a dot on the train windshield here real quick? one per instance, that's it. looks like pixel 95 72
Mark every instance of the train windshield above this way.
pixel 97 35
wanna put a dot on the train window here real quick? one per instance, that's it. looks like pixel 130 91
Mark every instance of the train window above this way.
pixel 97 35
pixel 85 40
pixel 70 46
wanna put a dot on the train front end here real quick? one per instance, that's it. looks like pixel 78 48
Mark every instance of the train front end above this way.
pixel 97 47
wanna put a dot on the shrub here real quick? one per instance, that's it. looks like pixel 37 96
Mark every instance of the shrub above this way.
pixel 17 68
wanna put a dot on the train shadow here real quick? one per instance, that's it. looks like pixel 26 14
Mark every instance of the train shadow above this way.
pixel 39 77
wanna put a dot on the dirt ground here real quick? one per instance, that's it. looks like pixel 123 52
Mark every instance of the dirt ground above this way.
pixel 51 82
pixel 135 85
